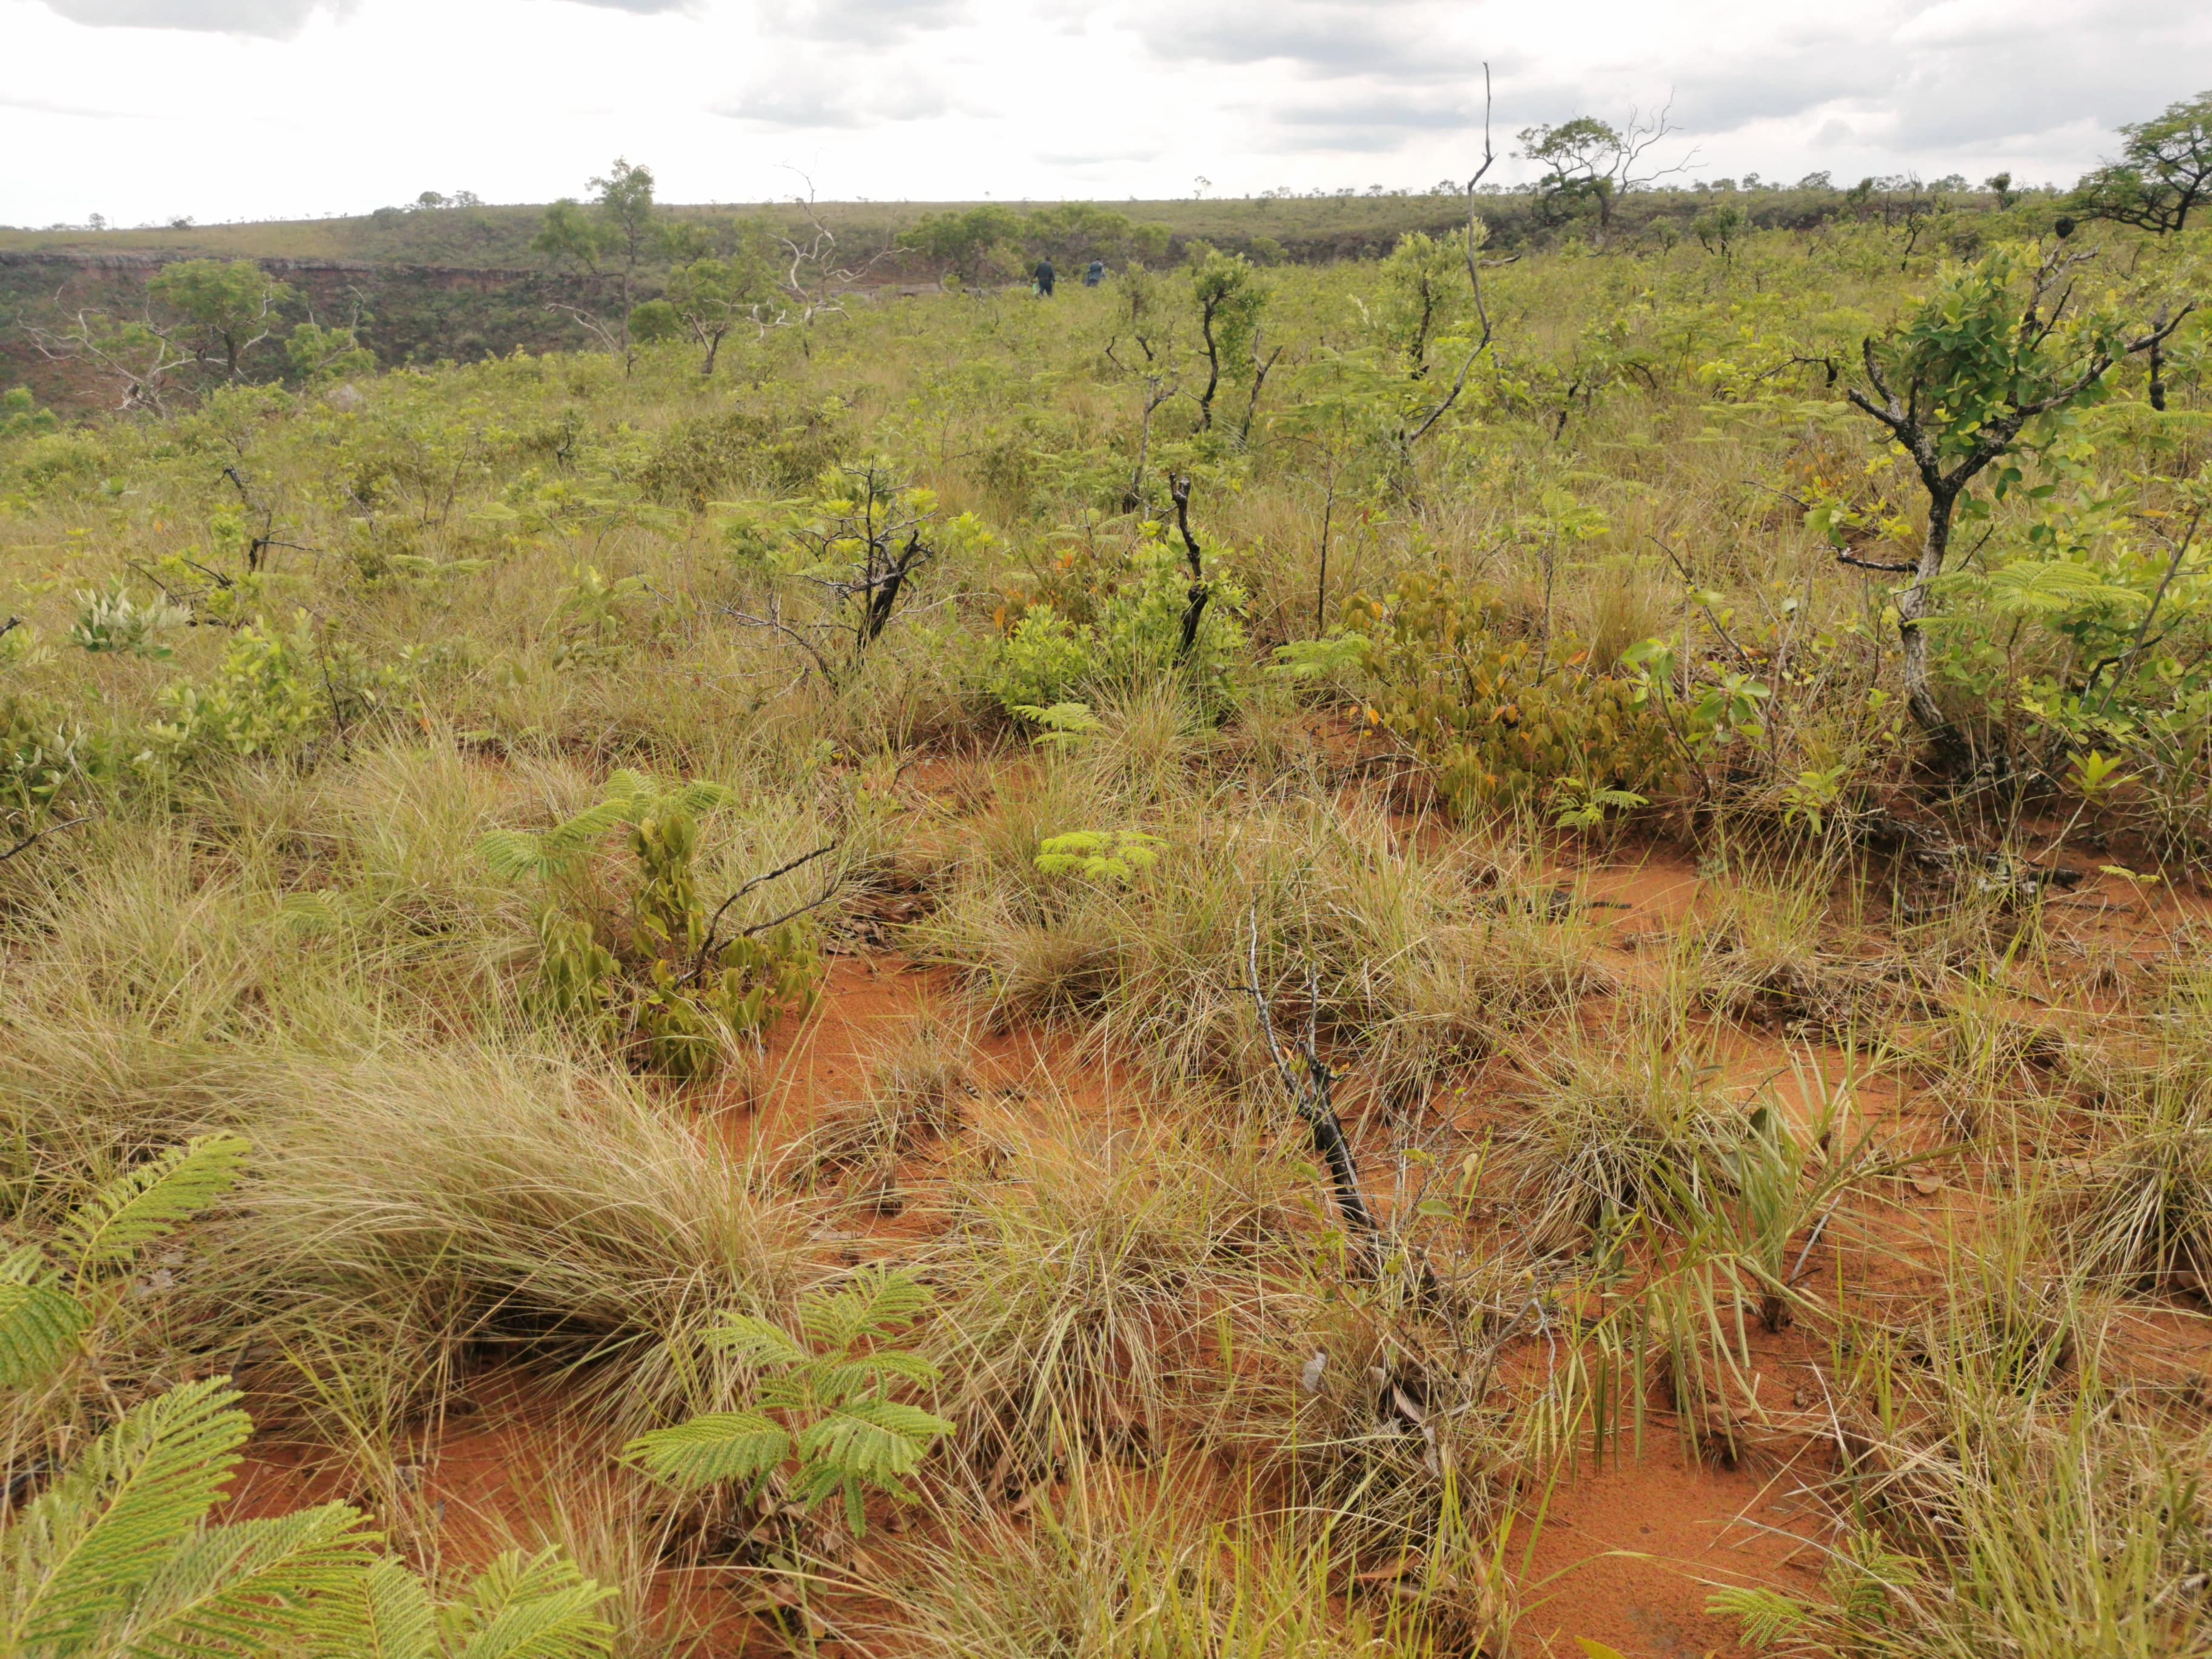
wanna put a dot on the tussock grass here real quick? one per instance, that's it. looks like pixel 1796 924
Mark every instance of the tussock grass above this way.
pixel 1619 1127
pixel 2138 1212
pixel 2008 1500
pixel 1770 951
pixel 1424 961
pixel 919 1085
pixel 467 1207
pixel 1085 1279
pixel 1126 1566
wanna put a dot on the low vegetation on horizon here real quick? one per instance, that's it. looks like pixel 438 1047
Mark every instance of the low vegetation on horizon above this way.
pixel 1143 971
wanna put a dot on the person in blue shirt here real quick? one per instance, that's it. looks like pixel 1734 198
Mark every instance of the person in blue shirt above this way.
pixel 1095 275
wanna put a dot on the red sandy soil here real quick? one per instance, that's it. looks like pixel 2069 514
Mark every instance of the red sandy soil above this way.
pixel 1626 1555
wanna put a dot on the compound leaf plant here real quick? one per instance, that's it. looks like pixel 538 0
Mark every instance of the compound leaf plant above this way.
pixel 118 1555
pixel 822 1423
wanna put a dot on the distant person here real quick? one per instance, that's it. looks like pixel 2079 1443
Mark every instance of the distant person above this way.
pixel 1045 276
pixel 1096 274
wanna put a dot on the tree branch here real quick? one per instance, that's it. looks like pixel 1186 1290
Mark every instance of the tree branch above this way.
pixel 707 950
pixel 1310 1097
pixel 1474 279
pixel 32 840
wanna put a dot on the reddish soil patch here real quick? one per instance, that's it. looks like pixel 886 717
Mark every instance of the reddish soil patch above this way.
pixel 1628 1556
pixel 868 1004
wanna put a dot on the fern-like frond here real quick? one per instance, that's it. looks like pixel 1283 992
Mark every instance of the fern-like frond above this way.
pixel 874 1440
pixel 755 1340
pixel 716 1446
pixel 142 1204
pixel 566 842
pixel 878 1305
pixel 820 1482
pixel 532 1607
pixel 75 1558
pixel 1767 1615
pixel 514 856
pixel 38 1319
pixel 629 786
pixel 252 1589
pixel 838 1381
pixel 699 799
pixel 387 1615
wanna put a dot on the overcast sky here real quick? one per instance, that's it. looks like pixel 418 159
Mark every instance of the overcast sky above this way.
pixel 145 109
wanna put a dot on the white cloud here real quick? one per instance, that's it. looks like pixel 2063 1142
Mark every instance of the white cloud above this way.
pixel 277 19
pixel 268 107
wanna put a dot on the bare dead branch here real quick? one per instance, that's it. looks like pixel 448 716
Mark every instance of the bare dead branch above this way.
pixel 32 840
pixel 707 949
pixel 1310 1082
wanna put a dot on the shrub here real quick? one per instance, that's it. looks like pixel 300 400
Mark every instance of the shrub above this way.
pixel 1044 659
pixel 1506 720
pixel 681 992
pixel 1140 615
pixel 822 1405
pixel 271 693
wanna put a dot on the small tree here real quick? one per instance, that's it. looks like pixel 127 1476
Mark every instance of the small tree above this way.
pixel 2164 173
pixel 616 237
pixel 1718 229
pixel 203 319
pixel 1587 159
pixel 225 308
pixel 1411 430
pixel 969 246
pixel 137 354
pixel 1076 231
pixel 1980 373
pixel 711 296
pixel 1143 317
pixel 863 546
pixel 1423 294
pixel 1230 296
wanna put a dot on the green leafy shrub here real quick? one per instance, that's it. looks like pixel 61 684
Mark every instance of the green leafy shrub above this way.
pixel 1139 612
pixel 700 458
pixel 1505 719
pixel 49 766
pixel 1105 855
pixel 273 692
pixel 674 988
pixel 823 1424
pixel 116 1557
pixel 113 621
pixel 21 417
pixel 1045 659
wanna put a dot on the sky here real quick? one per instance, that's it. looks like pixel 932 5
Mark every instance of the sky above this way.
pixel 145 110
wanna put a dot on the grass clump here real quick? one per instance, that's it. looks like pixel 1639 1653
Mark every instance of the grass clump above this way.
pixel 451 1209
